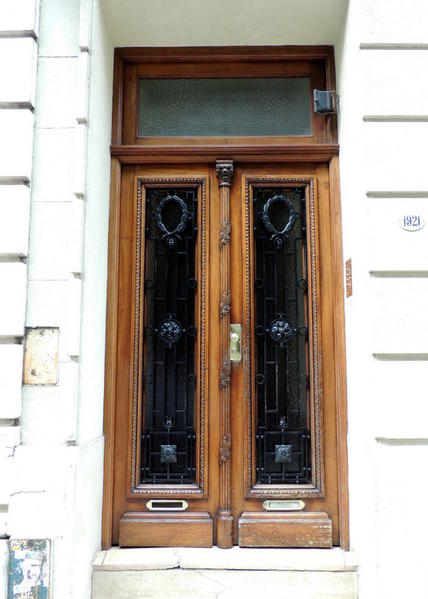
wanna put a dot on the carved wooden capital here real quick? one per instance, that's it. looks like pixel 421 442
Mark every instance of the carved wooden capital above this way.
pixel 224 170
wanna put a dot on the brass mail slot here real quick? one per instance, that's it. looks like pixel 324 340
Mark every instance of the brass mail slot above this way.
pixel 167 505
pixel 283 505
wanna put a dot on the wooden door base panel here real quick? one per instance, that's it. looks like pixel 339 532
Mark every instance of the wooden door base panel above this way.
pixel 224 529
pixel 142 529
pixel 305 529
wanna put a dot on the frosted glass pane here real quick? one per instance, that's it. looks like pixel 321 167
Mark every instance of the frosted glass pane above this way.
pixel 253 106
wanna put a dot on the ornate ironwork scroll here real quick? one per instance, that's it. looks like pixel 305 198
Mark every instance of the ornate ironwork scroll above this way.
pixel 282 386
pixel 168 428
pixel 283 421
pixel 279 237
pixel 168 445
pixel 224 170
pixel 171 237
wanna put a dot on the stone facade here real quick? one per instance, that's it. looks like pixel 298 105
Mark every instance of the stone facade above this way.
pixel 51 440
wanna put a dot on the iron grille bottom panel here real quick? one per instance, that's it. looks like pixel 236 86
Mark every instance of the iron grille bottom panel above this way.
pixel 169 457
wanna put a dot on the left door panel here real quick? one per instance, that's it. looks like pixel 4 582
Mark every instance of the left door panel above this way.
pixel 162 464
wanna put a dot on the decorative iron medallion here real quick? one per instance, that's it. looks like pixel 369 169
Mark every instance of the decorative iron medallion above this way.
pixel 283 454
pixel 281 331
pixel 171 237
pixel 170 331
pixel 278 237
pixel 168 454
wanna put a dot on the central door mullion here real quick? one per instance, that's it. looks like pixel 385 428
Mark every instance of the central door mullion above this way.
pixel 224 170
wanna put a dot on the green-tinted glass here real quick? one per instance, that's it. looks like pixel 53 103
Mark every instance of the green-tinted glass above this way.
pixel 244 106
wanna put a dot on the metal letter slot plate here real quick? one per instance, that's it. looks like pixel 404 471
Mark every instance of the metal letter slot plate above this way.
pixel 235 343
pixel 283 505
pixel 167 505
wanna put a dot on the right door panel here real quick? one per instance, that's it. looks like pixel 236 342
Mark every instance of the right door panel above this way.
pixel 284 481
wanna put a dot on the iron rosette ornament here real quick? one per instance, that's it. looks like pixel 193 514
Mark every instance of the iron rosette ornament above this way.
pixel 170 331
pixel 281 331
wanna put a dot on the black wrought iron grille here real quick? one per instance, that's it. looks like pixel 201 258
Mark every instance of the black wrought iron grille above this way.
pixel 281 333
pixel 168 436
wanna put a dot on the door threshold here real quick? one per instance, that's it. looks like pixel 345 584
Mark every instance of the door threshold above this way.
pixel 237 558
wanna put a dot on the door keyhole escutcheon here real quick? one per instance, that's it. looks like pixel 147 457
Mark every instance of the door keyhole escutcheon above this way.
pixel 235 342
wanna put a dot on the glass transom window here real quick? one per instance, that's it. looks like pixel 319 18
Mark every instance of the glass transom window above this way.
pixel 253 106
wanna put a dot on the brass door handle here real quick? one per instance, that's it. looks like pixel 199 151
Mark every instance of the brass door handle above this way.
pixel 235 342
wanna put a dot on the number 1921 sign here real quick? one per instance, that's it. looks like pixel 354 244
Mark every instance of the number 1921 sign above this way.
pixel 412 222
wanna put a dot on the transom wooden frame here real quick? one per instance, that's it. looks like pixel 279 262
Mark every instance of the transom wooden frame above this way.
pixel 128 151
pixel 131 64
pixel 136 388
pixel 316 488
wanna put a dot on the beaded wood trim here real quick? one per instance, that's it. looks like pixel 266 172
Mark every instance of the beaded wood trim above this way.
pixel 280 490
pixel 199 488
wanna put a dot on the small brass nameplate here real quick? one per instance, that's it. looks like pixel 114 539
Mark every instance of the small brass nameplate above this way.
pixel 283 505
pixel 167 505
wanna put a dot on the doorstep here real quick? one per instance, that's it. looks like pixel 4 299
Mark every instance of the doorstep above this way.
pixel 176 573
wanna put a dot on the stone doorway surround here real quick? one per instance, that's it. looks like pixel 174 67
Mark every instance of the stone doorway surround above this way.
pixel 186 573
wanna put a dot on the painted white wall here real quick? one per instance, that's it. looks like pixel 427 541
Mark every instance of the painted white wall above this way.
pixel 96 233
pixel 223 23
pixel 381 56
pixel 51 483
pixel 18 63
pixel 89 474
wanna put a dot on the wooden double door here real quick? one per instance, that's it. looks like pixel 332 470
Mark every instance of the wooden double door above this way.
pixel 225 415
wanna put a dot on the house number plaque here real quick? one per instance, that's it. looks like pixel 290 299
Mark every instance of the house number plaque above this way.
pixel 412 222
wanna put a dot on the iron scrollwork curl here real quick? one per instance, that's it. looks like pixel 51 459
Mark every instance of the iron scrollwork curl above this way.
pixel 278 237
pixel 171 237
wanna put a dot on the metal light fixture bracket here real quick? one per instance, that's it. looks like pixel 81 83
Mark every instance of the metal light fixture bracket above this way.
pixel 325 102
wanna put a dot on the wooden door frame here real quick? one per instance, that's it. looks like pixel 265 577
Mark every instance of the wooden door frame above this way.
pixel 322 147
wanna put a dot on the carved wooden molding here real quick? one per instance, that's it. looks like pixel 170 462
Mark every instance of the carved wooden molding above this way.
pixel 224 170
pixel 316 488
pixel 225 233
pixel 225 305
pixel 225 448
pixel 225 375
pixel 200 488
pixel 254 152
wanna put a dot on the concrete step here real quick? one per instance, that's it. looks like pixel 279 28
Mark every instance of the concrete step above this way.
pixel 185 573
